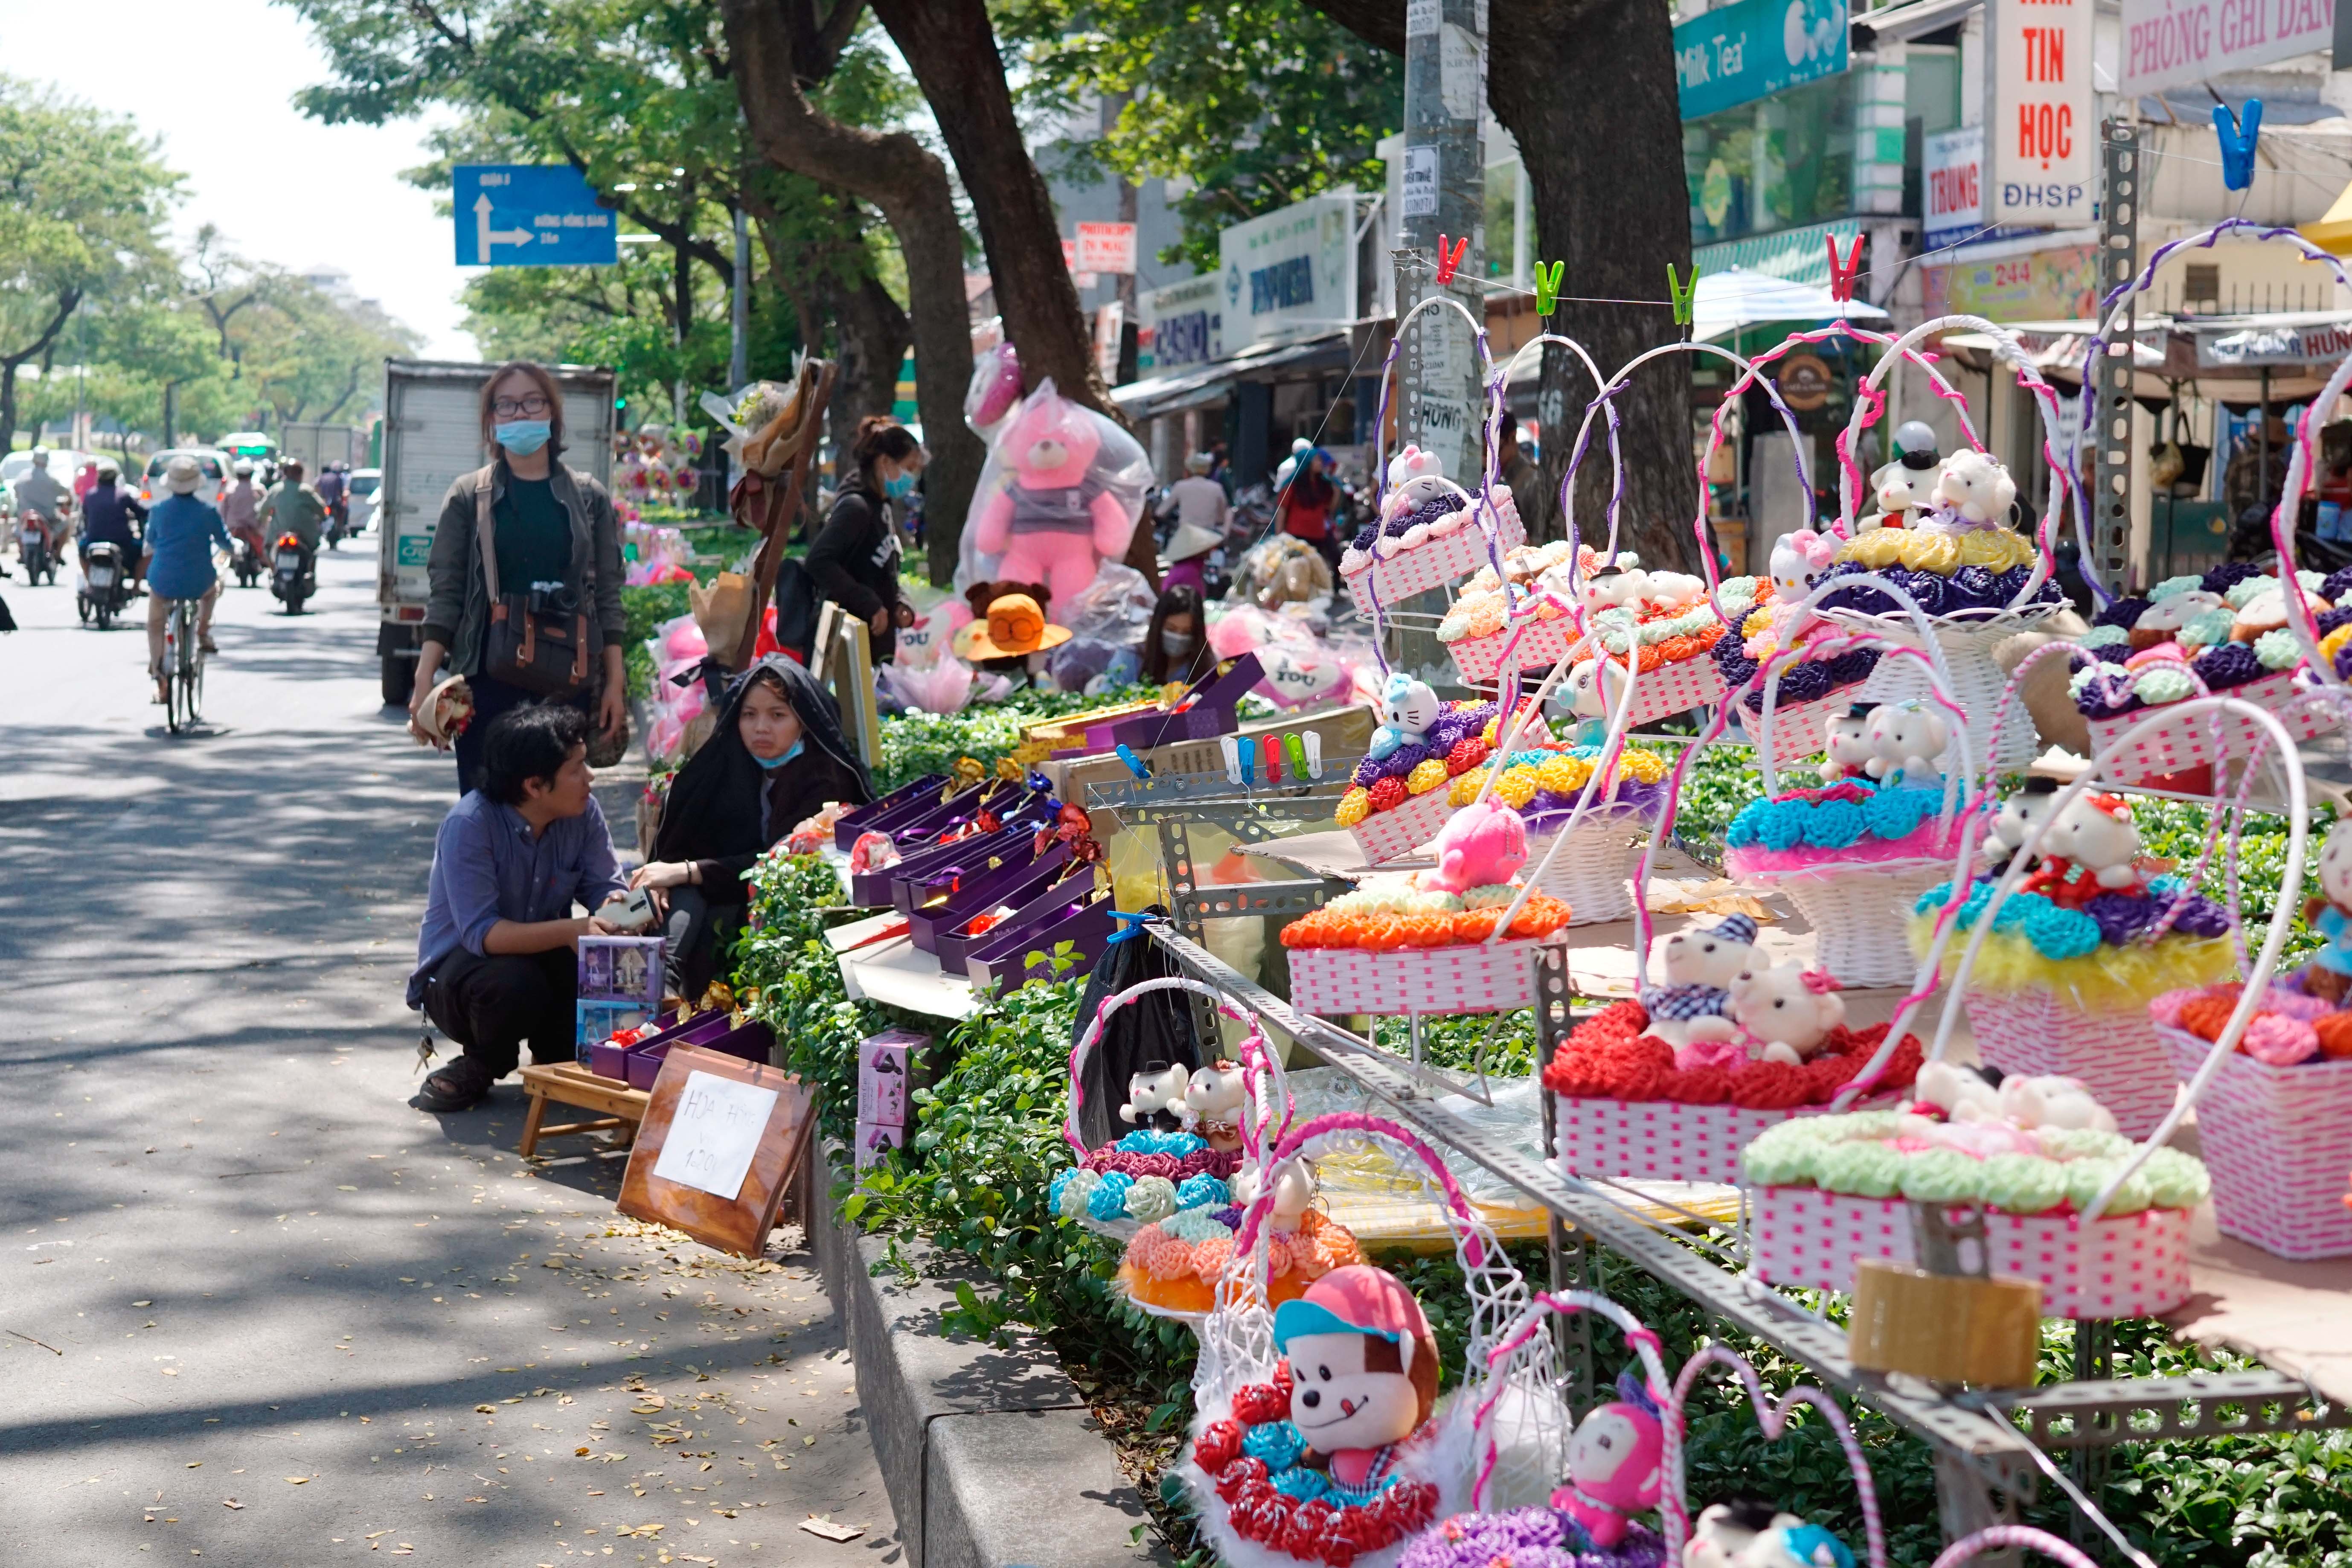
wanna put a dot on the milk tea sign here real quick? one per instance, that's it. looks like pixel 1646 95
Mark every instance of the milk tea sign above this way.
pixel 2042 144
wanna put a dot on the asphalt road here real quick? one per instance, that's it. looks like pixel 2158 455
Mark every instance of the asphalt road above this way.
pixel 253 1308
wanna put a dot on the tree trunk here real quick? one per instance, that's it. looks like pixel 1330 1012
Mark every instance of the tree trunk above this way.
pixel 952 49
pixel 1587 89
pixel 67 302
pixel 896 173
pixel 872 332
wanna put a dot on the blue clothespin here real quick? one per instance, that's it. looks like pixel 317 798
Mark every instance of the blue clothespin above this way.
pixel 2238 139
pixel 1129 925
pixel 1135 764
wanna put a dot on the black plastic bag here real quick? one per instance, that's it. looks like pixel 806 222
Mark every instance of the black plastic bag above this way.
pixel 1149 1032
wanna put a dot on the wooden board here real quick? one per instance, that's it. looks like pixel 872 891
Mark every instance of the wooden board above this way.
pixel 739 1225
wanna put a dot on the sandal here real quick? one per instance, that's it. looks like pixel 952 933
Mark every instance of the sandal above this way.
pixel 460 1086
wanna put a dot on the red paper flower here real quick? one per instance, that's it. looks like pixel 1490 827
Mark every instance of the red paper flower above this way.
pixel 1219 1445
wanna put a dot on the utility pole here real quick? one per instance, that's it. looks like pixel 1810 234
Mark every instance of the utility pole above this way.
pixel 739 354
pixel 1440 403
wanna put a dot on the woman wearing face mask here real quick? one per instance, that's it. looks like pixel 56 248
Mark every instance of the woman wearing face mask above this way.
pixel 775 758
pixel 855 560
pixel 1177 646
pixel 551 524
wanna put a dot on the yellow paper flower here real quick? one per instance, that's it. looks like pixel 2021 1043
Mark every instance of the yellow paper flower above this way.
pixel 1642 767
pixel 1465 787
pixel 1354 806
pixel 1426 775
pixel 1516 787
pixel 1879 548
pixel 1994 549
pixel 1758 622
pixel 2333 641
pixel 1488 733
pixel 1564 775
pixel 1925 552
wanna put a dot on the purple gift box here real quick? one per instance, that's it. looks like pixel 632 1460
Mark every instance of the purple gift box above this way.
pixel 916 880
pixel 1213 700
pixel 1021 878
pixel 608 1060
pixel 899 802
pixel 754 1042
pixel 1001 962
pixel 917 835
pixel 1072 891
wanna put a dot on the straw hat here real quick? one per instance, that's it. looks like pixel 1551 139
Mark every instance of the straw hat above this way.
pixel 181 475
pixel 446 710
pixel 1015 627
pixel 1189 540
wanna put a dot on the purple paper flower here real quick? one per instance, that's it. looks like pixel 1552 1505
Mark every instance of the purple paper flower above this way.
pixel 1805 683
pixel 2338 583
pixel 2228 575
pixel 2124 613
pixel 2121 916
pixel 1934 593
pixel 1366 536
pixel 2330 619
pixel 2200 916
pixel 2114 653
pixel 1854 663
pixel 2226 665
pixel 1404 760
pixel 1974 585
pixel 1369 772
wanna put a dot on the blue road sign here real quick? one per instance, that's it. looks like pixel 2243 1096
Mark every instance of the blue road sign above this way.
pixel 531 215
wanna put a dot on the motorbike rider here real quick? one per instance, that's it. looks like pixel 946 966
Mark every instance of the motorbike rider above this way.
pixel 335 490
pixel 109 516
pixel 181 534
pixel 240 509
pixel 44 503
pixel 294 507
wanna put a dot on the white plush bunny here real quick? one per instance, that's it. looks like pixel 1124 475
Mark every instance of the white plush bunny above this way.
pixel 1293 1190
pixel 1976 487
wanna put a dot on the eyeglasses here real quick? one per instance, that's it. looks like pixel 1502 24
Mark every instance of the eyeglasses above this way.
pixel 530 407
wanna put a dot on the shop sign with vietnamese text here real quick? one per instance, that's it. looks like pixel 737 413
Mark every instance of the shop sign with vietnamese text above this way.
pixel 2173 43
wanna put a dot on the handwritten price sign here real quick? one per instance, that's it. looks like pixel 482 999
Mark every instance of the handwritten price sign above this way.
pixel 714 1134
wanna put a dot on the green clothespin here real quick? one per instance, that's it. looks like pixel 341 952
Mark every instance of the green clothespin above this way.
pixel 1547 287
pixel 1685 296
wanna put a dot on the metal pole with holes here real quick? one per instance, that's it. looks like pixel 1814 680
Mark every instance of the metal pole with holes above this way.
pixel 2112 433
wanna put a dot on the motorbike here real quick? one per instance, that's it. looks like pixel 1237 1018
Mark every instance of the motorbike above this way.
pixel 106 587
pixel 245 561
pixel 291 581
pixel 339 525
pixel 34 554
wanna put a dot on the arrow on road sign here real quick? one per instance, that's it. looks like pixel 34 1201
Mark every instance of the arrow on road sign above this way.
pixel 484 236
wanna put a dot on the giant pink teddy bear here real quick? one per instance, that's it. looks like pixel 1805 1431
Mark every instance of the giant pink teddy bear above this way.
pixel 1053 522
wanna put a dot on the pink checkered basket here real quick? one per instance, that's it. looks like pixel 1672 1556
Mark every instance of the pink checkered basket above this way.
pixel 1541 645
pixel 1473 977
pixel 1660 1140
pixel 1434 563
pixel 2117 1053
pixel 1386 836
pixel 2126 1266
pixel 2177 748
pixel 2278 1143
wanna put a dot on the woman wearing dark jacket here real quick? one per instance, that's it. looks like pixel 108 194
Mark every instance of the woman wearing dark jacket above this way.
pixel 550 523
pixel 855 560
pixel 776 757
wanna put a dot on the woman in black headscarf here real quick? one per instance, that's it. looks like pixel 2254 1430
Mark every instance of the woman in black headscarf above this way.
pixel 776 757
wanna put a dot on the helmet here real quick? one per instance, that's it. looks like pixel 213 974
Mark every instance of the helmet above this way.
pixel 40 456
pixel 243 470
pixel 107 473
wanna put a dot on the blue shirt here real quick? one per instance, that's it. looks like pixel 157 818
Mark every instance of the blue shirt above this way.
pixel 182 532
pixel 2337 926
pixel 487 867
pixel 106 517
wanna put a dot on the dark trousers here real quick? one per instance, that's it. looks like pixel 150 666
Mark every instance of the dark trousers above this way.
pixel 492 697
pixel 699 933
pixel 491 1005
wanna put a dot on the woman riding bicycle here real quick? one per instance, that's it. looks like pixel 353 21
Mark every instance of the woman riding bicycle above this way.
pixel 181 533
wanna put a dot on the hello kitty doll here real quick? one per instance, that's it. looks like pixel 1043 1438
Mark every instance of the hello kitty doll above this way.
pixel 2092 848
pixel 1976 491
pixel 1615 1464
pixel 1695 1003
pixel 1484 845
pixel 1785 1013
pixel 1407 709
pixel 2328 975
pixel 1416 478
pixel 1847 742
pixel 1905 740
pixel 2017 817
pixel 1212 1105
pixel 1363 1375
pixel 1799 560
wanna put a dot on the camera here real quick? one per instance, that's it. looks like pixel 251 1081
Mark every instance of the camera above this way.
pixel 552 598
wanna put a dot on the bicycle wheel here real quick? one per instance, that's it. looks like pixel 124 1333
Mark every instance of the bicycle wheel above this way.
pixel 174 631
pixel 191 667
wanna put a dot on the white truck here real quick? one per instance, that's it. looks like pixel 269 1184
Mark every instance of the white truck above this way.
pixel 432 434
pixel 316 446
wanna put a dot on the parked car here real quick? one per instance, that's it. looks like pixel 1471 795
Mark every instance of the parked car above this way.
pixel 210 460
pixel 364 484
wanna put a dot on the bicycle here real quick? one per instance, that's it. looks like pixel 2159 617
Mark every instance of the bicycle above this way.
pixel 183 668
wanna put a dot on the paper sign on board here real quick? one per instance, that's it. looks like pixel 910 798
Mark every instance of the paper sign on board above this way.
pixel 2042 136
pixel 715 1134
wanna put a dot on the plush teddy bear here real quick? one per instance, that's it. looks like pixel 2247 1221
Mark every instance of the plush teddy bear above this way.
pixel 1363 1373
pixel 1901 487
pixel 1616 589
pixel 1407 709
pixel 1293 1190
pixel 1785 1013
pixel 1213 1096
pixel 2052 1102
pixel 1961 1093
pixel 1724 1529
pixel 2328 975
pixel 1153 1096
pixel 1905 740
pixel 1695 1002
pixel 1484 845
pixel 2016 818
pixel 1615 1464
pixel 1976 488
pixel 1846 739
pixel 1054 521
pixel 1668 592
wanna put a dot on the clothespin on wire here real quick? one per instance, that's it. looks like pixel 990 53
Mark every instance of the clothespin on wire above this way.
pixel 1449 262
pixel 2238 140
pixel 1547 287
pixel 1685 295
pixel 1843 269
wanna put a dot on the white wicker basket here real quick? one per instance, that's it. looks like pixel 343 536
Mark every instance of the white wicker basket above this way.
pixel 1593 873
pixel 1978 682
pixel 1861 916
pixel 2115 1053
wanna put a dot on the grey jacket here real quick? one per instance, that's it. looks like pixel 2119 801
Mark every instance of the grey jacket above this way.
pixel 457 604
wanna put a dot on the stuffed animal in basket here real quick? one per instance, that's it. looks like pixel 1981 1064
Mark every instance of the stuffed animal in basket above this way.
pixel 1213 1096
pixel 1363 1376
pixel 2052 1102
pixel 1407 709
pixel 1785 1012
pixel 1294 1190
pixel 1615 1464
pixel 1053 523
pixel 1799 559
pixel 1695 1003
pixel 1416 477
pixel 1903 488
pixel 1723 1531
pixel 1795 1545
pixel 1847 740
pixel 1905 740
pixel 1977 489
pixel 2016 818
pixel 1484 845
pixel 2328 975
pixel 2092 848
pixel 1153 1096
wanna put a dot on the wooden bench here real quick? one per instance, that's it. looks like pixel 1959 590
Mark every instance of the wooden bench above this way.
pixel 569 1083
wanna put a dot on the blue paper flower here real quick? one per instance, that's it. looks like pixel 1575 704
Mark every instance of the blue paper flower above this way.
pixel 1783 827
pixel 1932 900
pixel 1747 826
pixel 1896 813
pixel 1834 823
pixel 1109 1199
pixel 2062 934
pixel 1303 1484
pixel 2019 909
pixel 1278 1443
pixel 1194 1191
pixel 1054 1193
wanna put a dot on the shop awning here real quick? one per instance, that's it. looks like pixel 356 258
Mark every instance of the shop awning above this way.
pixel 1729 302
pixel 1799 255
pixel 1260 362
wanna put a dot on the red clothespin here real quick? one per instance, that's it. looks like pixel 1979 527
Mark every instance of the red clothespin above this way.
pixel 1449 261
pixel 1843 269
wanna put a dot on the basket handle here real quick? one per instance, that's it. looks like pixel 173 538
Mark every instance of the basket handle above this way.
pixel 1521 1331
pixel 2001 1536
pixel 1497 391
pixel 1773 1417
pixel 1084 1045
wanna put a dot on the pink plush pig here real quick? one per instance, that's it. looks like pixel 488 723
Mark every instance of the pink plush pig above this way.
pixel 1056 518
pixel 1615 1464
pixel 1481 846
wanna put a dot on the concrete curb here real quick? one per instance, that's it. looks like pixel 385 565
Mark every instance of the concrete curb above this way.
pixel 990 1455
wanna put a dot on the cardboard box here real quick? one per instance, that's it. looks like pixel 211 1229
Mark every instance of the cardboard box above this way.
pixel 620 969
pixel 887 1064
pixel 873 1137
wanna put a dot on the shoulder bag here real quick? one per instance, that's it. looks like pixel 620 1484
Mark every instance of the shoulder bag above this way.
pixel 530 641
